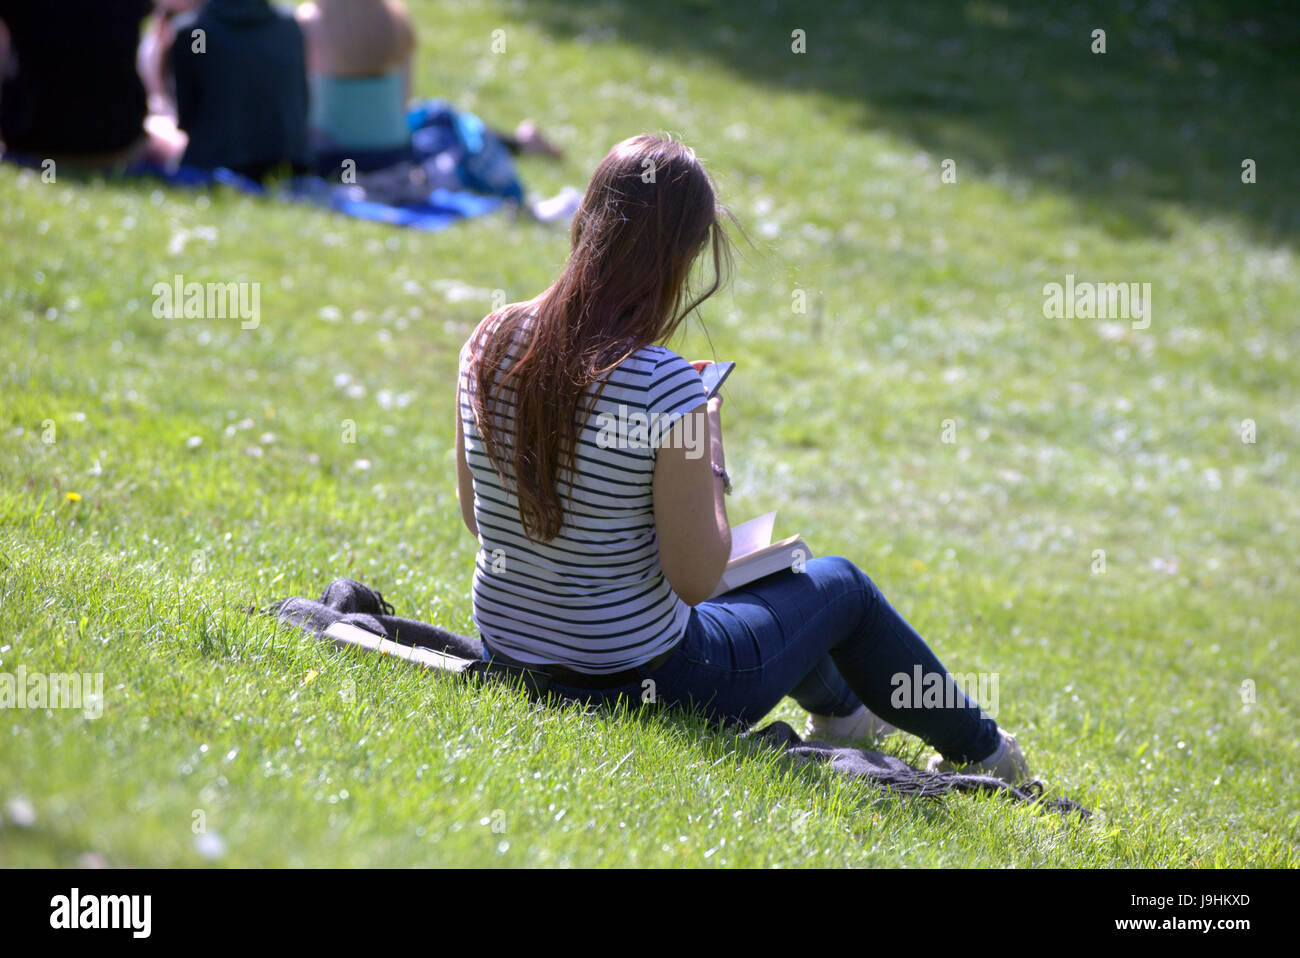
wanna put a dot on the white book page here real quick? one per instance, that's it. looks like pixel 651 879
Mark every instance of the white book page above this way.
pixel 752 535
pixel 345 633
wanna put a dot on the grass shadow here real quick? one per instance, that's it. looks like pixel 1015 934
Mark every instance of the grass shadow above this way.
pixel 1183 94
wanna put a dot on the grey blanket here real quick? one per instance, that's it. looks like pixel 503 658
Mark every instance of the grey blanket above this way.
pixel 892 774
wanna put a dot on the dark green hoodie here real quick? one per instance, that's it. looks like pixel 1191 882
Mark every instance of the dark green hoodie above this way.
pixel 241 87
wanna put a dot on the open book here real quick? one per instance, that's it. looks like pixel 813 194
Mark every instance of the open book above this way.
pixel 754 555
pixel 344 634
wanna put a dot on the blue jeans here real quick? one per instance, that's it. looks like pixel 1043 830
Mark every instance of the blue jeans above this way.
pixel 827 638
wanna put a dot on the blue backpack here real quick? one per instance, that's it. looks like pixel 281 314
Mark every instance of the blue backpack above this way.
pixel 482 161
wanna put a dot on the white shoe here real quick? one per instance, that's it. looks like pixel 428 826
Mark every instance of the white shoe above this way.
pixel 559 208
pixel 1006 763
pixel 842 729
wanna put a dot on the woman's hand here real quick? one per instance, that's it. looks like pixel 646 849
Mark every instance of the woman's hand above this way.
pixel 699 364
pixel 715 419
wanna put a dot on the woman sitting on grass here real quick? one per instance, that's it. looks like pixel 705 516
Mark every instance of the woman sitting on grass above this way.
pixel 241 88
pixel 69 90
pixel 359 62
pixel 597 559
pixel 359 68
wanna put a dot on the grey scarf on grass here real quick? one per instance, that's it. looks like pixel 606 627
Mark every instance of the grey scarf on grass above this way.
pixel 892 774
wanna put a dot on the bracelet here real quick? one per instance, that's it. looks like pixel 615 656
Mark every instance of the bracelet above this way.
pixel 726 479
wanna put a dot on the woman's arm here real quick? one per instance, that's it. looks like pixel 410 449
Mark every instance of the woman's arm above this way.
pixel 690 511
pixel 307 16
pixel 405 46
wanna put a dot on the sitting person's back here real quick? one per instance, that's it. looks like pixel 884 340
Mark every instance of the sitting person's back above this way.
pixel 358 59
pixel 241 88
pixel 594 597
pixel 70 84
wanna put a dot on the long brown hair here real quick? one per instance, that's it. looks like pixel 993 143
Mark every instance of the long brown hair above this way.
pixel 648 212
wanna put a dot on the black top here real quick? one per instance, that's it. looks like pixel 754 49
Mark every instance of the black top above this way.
pixel 243 99
pixel 75 89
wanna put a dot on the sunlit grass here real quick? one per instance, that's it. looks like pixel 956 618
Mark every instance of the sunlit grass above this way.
pixel 210 471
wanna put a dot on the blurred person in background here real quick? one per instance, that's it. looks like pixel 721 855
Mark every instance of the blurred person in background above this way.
pixel 241 88
pixel 70 88
pixel 359 74
pixel 359 58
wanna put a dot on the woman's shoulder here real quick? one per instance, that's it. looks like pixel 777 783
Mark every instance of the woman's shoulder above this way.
pixel 663 376
pixel 523 311
pixel 658 362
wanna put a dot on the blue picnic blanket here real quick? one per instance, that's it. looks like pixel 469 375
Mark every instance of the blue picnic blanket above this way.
pixel 473 168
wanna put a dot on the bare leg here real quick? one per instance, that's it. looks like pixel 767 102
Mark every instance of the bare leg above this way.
pixel 531 140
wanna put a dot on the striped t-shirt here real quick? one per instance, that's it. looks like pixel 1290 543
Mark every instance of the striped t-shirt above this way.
pixel 594 598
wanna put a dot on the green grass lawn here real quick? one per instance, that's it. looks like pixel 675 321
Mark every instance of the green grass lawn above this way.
pixel 212 469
